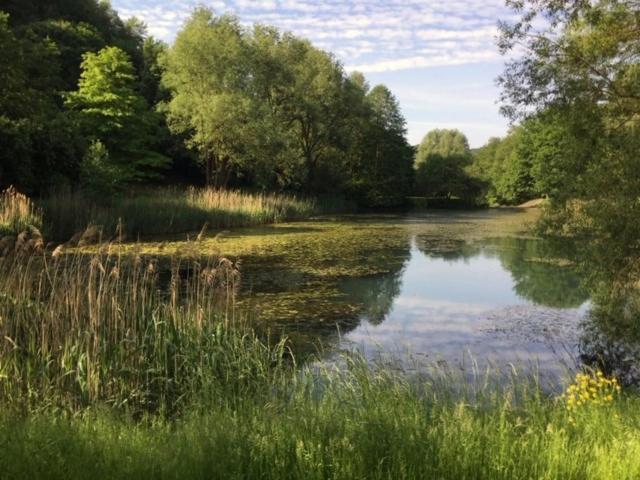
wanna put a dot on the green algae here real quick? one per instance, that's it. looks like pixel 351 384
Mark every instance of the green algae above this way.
pixel 321 275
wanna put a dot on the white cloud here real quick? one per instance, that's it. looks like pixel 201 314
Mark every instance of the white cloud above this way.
pixel 403 34
pixel 456 58
pixel 378 37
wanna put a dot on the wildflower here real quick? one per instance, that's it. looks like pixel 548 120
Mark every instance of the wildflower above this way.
pixel 589 390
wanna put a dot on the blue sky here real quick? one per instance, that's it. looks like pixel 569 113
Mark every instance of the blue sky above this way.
pixel 437 56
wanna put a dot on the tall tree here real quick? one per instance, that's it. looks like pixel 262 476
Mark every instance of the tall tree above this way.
pixel 578 72
pixel 440 164
pixel 386 171
pixel 111 110
pixel 446 143
pixel 38 143
pixel 207 73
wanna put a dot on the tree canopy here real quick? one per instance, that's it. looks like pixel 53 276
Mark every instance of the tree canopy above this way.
pixel 441 160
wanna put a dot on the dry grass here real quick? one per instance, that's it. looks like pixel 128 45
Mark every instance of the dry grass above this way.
pixel 168 211
pixel 17 212
pixel 127 332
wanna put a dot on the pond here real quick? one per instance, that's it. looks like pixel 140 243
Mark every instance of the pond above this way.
pixel 451 286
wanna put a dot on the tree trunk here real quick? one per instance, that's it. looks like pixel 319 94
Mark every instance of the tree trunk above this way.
pixel 208 170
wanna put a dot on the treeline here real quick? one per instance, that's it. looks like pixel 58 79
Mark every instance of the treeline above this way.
pixel 530 162
pixel 90 101
pixel 573 94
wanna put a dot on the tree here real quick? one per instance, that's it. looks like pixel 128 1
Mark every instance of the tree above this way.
pixel 440 164
pixel 505 165
pixel 578 78
pixel 314 103
pixel 111 110
pixel 38 143
pixel 446 143
pixel 207 72
pixel 387 166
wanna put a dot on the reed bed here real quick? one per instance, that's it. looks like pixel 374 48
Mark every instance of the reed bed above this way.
pixel 78 331
pixel 17 212
pixel 168 211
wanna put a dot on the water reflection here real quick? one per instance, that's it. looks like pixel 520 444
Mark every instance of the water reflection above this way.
pixel 497 300
pixel 400 285
pixel 438 284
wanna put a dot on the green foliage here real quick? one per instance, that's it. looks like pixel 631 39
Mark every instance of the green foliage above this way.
pixel 506 167
pixel 440 163
pixel 111 110
pixel 97 173
pixel 359 424
pixel 380 159
pixel 39 144
pixel 577 84
pixel 257 107
pixel 273 110
pixel 446 143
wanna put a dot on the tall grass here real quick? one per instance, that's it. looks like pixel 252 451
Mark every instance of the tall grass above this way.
pixel 80 331
pixel 122 367
pixel 17 212
pixel 166 211
pixel 345 425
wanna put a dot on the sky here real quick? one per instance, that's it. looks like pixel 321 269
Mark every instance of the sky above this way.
pixel 438 57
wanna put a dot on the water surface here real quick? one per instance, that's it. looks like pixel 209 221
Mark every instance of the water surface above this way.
pixel 444 286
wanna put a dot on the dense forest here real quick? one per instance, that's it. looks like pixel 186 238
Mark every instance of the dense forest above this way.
pixel 90 101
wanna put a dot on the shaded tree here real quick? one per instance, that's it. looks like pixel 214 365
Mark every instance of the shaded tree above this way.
pixel 440 163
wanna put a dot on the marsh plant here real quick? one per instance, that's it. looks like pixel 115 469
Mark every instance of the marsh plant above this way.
pixel 131 367
pixel 129 332
pixel 167 211
pixel 17 212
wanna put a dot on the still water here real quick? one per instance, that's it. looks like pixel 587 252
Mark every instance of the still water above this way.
pixel 450 287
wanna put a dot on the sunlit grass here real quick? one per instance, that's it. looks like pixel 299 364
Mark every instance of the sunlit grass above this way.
pixel 17 212
pixel 116 366
pixel 353 423
pixel 167 211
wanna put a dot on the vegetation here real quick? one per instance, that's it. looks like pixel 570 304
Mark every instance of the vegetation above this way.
pixel 118 364
pixel 363 424
pixel 167 211
pixel 193 393
pixel 440 164
pixel 17 212
pixel 226 106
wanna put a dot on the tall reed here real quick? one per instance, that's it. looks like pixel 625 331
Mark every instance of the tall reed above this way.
pixel 167 211
pixel 17 212
pixel 103 329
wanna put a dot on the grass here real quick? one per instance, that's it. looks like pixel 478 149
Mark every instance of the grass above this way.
pixel 130 334
pixel 167 211
pixel 351 424
pixel 17 212
pixel 127 367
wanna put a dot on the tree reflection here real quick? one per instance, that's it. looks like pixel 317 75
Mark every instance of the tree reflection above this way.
pixel 541 273
pixel 376 294
pixel 541 270
pixel 611 332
